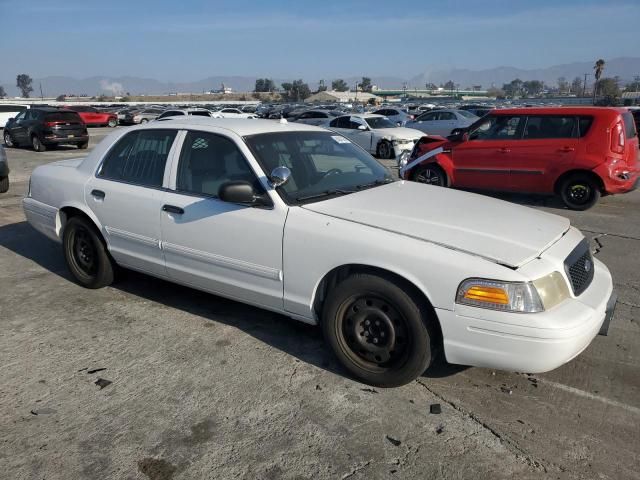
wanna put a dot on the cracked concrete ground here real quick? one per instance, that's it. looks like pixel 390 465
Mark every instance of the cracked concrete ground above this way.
pixel 204 387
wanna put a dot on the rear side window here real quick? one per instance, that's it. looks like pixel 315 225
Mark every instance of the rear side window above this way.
pixel 139 157
pixel 584 124
pixel 63 117
pixel 547 126
pixel 629 125
pixel 200 113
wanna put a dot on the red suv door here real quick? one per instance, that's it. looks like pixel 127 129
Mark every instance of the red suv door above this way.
pixel 485 160
pixel 547 149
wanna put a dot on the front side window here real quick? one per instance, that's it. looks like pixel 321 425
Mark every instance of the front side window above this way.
pixel 446 116
pixel 321 164
pixel 208 161
pixel 379 122
pixel 139 157
pixel 497 127
pixel 547 126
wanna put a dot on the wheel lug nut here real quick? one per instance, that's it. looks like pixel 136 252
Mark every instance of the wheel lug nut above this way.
pixel 382 334
pixel 377 323
pixel 375 340
pixel 367 323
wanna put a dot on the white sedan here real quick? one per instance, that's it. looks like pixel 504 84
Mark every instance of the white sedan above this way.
pixel 299 220
pixel 442 122
pixel 235 113
pixel 376 134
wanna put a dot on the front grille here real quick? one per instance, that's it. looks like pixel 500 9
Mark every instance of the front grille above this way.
pixel 579 267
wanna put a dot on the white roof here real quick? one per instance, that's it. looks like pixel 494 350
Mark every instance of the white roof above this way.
pixel 240 126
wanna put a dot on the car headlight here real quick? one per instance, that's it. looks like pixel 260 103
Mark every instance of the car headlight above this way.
pixel 519 297
pixel 403 159
pixel 552 289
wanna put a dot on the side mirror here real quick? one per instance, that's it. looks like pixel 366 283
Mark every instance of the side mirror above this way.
pixel 361 127
pixel 11 119
pixel 240 192
pixel 279 176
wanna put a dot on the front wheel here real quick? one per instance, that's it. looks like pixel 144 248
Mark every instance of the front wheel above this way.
pixel 385 150
pixel 377 330
pixel 86 254
pixel 113 123
pixel 83 145
pixel 579 192
pixel 8 141
pixel 4 184
pixel 431 174
pixel 144 120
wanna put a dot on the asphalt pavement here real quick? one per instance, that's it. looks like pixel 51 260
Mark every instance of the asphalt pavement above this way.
pixel 149 380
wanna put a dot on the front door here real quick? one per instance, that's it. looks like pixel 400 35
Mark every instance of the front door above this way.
pixel 224 248
pixel 126 196
pixel 485 160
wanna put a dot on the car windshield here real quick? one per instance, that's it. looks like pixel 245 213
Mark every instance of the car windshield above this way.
pixel 380 122
pixel 322 164
pixel 468 115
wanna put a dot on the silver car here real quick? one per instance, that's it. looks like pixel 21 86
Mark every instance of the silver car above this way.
pixel 442 122
pixel 317 117
pixel 397 115
pixel 147 115
pixel 4 171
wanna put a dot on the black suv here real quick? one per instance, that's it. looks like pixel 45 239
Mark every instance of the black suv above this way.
pixel 46 126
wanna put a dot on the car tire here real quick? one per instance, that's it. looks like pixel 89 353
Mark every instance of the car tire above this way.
pixel 385 150
pixel 377 330
pixel 431 174
pixel 4 184
pixel 113 123
pixel 83 145
pixel 8 141
pixel 37 144
pixel 144 120
pixel 579 191
pixel 86 254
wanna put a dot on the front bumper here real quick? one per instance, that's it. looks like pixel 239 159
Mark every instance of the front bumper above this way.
pixel 500 340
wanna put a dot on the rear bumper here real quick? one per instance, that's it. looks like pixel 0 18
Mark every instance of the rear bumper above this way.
pixel 49 139
pixel 618 179
pixel 503 345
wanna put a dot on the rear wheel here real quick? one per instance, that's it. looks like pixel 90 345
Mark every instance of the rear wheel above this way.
pixel 385 150
pixel 580 191
pixel 144 120
pixel 83 145
pixel 377 330
pixel 86 254
pixel 431 174
pixel 4 184
pixel 113 123
pixel 8 141
pixel 37 144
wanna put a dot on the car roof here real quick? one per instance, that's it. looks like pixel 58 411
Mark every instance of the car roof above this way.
pixel 240 126
pixel 558 110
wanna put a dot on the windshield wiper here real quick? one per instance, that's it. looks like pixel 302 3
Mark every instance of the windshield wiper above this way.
pixel 375 183
pixel 326 193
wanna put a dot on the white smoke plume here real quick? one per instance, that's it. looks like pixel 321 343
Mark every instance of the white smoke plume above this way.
pixel 113 87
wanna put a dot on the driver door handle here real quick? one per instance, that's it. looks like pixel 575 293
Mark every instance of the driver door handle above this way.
pixel 172 209
pixel 504 150
pixel 98 194
pixel 567 149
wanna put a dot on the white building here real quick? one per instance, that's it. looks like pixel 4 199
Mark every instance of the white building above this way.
pixel 341 97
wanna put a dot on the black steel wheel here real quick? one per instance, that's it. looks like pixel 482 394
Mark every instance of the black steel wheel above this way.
pixel 431 174
pixel 579 191
pixel 86 255
pixel 378 330
pixel 4 184
pixel 385 150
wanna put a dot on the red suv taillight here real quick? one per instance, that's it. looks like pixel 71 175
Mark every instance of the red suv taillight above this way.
pixel 617 138
pixel 51 124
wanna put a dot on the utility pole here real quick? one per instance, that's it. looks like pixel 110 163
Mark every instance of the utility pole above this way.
pixel 584 88
pixel 41 95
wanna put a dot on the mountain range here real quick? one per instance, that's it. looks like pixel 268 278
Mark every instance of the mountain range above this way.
pixel 625 67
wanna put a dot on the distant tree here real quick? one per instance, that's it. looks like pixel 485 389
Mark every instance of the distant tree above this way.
pixel 577 86
pixel 265 85
pixel 365 84
pixel 339 85
pixel 2 92
pixel 23 82
pixel 608 87
pixel 61 98
pixel 296 90
pixel 513 88
pixel 598 68
pixel 450 86
pixel 321 86
pixel 563 85
pixel 431 86
pixel 495 92
pixel 631 87
pixel 533 87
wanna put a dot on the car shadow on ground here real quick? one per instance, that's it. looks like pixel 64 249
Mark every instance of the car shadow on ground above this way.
pixel 298 339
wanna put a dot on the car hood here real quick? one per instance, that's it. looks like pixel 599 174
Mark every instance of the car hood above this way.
pixel 502 232
pixel 400 132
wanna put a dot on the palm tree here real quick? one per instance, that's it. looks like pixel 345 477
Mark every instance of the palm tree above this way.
pixel 599 68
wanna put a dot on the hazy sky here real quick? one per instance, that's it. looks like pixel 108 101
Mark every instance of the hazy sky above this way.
pixel 185 40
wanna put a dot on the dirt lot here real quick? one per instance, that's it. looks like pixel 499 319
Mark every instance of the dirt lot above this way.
pixel 203 387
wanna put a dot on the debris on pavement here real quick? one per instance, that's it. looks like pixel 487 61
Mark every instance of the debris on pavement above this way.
pixel 102 383
pixel 435 408
pixel 369 390
pixel 439 429
pixel 393 441
pixel 95 370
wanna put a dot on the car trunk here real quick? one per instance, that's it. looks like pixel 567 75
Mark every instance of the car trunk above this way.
pixel 65 124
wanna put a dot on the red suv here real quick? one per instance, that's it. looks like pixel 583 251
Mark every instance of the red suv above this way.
pixel 93 117
pixel 578 153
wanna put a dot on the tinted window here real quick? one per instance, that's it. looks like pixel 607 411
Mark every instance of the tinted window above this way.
pixel 584 125
pixel 497 127
pixel 427 117
pixel 380 122
pixel 12 108
pixel 207 161
pixel 200 113
pixel 31 115
pixel 341 122
pixel 629 125
pixel 446 116
pixel 546 126
pixel 63 117
pixel 139 157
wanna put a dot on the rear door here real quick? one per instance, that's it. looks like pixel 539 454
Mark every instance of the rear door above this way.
pixel 547 149
pixel 484 161
pixel 126 196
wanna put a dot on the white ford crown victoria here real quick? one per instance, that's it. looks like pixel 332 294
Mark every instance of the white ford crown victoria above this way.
pixel 299 220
